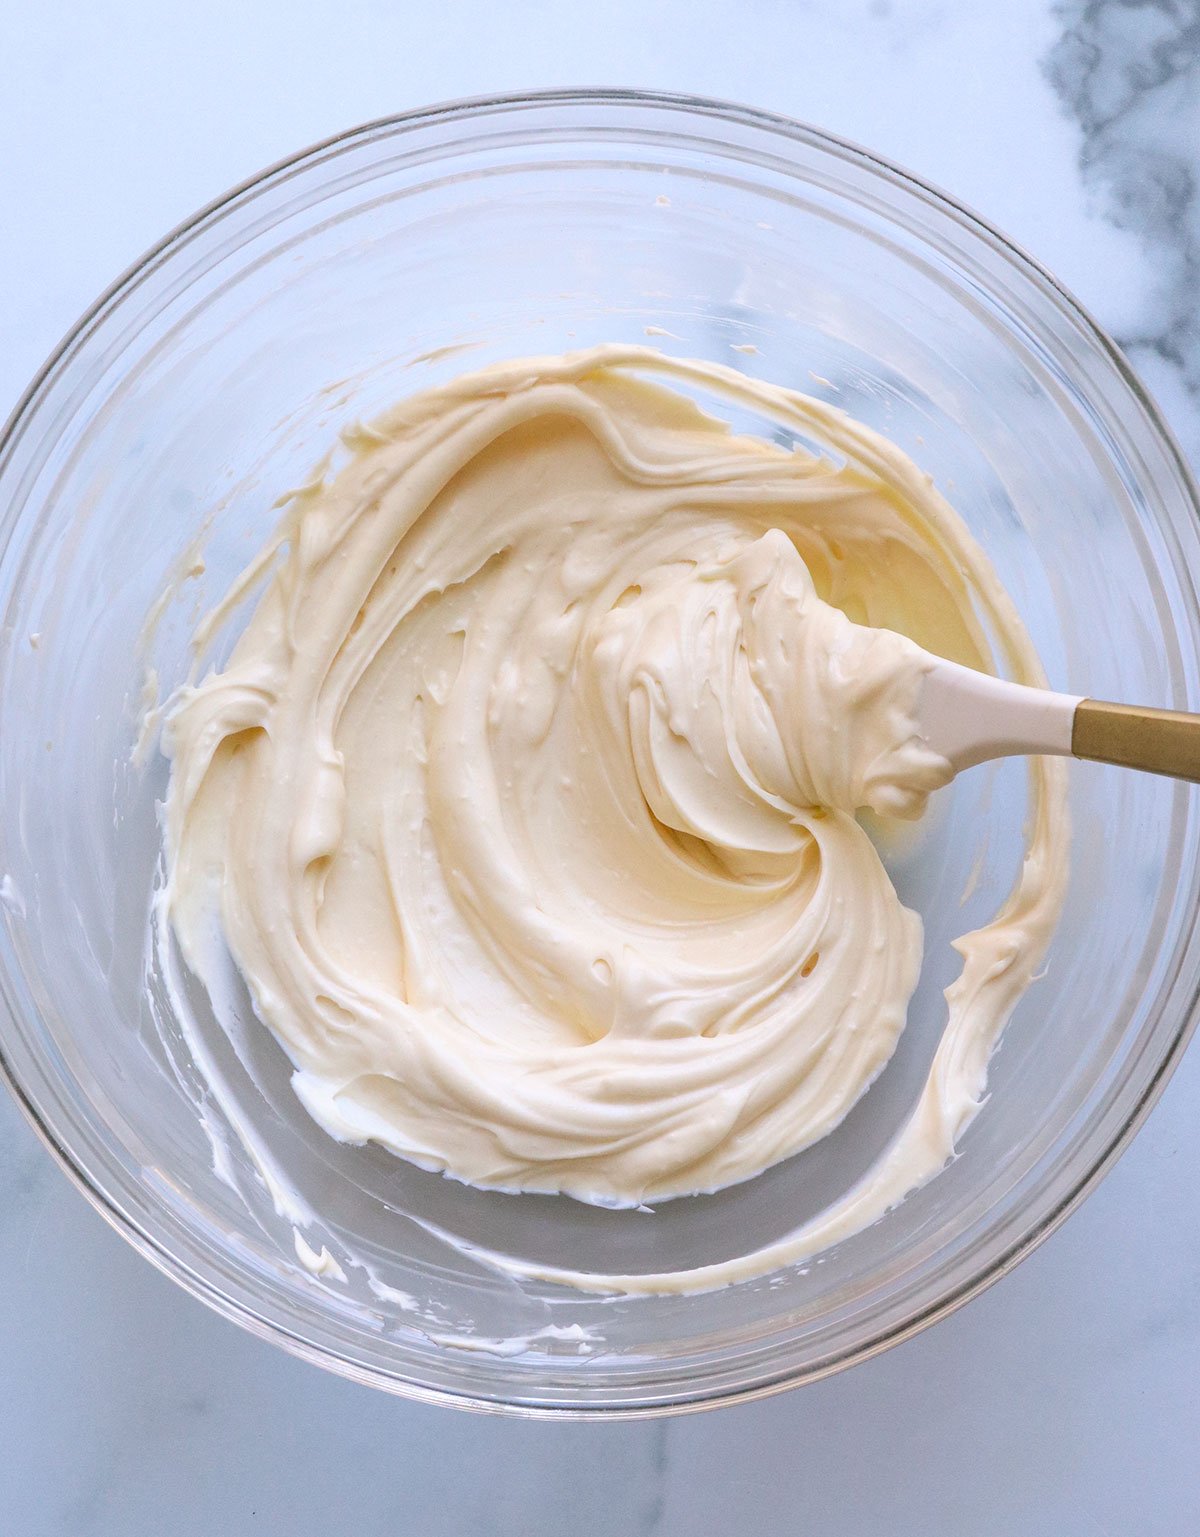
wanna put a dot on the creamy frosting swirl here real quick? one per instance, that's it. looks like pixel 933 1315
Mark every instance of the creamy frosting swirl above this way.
pixel 526 800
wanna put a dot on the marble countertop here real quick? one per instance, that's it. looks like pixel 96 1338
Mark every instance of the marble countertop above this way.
pixel 1065 1400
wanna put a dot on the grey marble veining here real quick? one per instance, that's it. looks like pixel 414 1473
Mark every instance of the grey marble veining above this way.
pixel 1128 71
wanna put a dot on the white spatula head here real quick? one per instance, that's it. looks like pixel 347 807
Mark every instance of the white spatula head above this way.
pixel 969 716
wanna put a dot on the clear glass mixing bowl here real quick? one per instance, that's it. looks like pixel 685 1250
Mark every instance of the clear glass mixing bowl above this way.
pixel 213 375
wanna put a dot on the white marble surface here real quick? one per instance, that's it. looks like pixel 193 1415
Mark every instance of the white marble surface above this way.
pixel 1066 1401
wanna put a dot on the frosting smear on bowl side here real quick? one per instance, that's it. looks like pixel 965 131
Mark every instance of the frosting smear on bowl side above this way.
pixel 526 801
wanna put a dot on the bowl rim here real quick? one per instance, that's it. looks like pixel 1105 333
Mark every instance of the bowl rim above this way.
pixel 124 1221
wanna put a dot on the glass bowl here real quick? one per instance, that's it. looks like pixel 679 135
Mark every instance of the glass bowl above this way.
pixel 150 452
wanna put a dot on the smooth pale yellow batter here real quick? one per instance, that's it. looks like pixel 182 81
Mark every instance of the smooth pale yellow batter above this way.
pixel 526 800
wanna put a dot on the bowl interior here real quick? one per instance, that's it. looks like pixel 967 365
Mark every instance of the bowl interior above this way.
pixel 150 459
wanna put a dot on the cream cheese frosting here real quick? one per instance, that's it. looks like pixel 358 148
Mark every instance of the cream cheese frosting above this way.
pixel 526 801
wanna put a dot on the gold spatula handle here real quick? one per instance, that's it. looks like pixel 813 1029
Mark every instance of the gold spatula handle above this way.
pixel 1158 741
